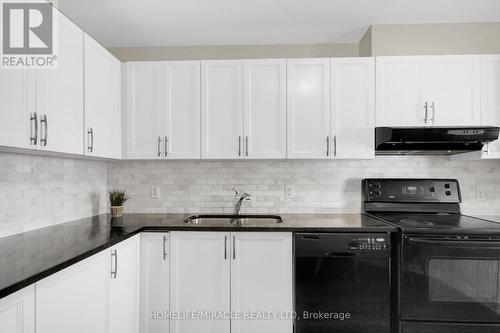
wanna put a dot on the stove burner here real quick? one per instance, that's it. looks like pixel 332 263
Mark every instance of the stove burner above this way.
pixel 413 223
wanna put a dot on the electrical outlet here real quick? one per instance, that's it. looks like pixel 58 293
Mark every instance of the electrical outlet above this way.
pixel 289 192
pixel 155 192
pixel 480 192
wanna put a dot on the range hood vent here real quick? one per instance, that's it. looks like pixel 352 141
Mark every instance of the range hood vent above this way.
pixel 432 140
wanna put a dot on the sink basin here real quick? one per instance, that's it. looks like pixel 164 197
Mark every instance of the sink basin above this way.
pixel 232 220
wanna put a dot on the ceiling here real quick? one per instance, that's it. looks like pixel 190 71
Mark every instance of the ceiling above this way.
pixel 149 23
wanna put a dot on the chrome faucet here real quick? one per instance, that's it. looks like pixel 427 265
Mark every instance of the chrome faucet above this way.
pixel 239 200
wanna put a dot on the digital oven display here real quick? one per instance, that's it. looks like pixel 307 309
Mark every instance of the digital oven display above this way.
pixel 411 190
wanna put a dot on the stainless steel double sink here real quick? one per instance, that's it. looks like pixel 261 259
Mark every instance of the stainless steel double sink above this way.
pixel 232 220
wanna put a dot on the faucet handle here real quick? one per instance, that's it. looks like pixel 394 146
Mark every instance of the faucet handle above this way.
pixel 236 193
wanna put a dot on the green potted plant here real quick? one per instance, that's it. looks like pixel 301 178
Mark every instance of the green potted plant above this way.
pixel 117 199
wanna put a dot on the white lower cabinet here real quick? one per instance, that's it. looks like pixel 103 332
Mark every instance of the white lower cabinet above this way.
pixel 242 274
pixel 17 312
pixel 155 282
pixel 124 286
pixel 200 280
pixel 75 299
pixel 261 282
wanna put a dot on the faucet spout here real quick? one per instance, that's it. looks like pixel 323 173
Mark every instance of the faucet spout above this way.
pixel 239 201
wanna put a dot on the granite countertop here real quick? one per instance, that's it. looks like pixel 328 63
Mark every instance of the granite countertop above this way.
pixel 291 222
pixel 493 218
pixel 31 256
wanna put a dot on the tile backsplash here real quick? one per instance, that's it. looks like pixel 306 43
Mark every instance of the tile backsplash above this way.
pixel 39 191
pixel 319 186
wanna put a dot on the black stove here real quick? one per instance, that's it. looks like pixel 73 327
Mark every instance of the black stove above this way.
pixel 422 206
pixel 449 263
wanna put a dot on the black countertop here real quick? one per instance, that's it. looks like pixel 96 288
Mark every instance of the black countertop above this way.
pixel 31 256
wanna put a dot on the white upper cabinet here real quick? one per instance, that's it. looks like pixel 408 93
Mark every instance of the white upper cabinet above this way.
pixel 182 110
pixel 76 298
pixel 490 106
pixel 222 109
pixel 455 96
pixel 428 91
pixel 17 311
pixel 401 89
pixel 308 101
pixel 265 108
pixel 102 96
pixel 59 93
pixel 261 280
pixel 200 280
pixel 490 98
pixel 163 110
pixel 353 108
pixel 145 114
pixel 124 286
pixel 17 109
pixel 155 281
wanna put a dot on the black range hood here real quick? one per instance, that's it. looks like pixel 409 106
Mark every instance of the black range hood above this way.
pixel 432 140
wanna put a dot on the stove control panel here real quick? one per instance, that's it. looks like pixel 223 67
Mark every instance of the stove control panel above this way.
pixel 368 243
pixel 412 190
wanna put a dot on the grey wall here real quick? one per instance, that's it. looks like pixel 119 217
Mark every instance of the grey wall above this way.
pixel 236 52
pixel 380 39
pixel 365 44
pixel 422 39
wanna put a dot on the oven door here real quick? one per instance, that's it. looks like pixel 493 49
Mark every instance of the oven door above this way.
pixel 451 279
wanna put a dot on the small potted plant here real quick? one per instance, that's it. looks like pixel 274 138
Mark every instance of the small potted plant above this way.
pixel 117 199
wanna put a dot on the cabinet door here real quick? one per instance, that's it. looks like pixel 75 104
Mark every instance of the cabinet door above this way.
pixel 116 113
pixel 99 99
pixel 59 93
pixel 17 311
pixel 490 95
pixel 75 299
pixel 182 83
pixel 401 90
pixel 124 287
pixel 455 97
pixel 222 109
pixel 145 110
pixel 200 277
pixel 353 108
pixel 261 280
pixel 155 281
pixel 265 108
pixel 16 108
pixel 308 100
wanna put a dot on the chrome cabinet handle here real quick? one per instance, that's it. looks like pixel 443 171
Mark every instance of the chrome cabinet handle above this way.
pixel 34 120
pixel 234 247
pixel 43 140
pixel 239 145
pixel 335 146
pixel 426 113
pixel 165 148
pixel 327 146
pixel 90 134
pixel 225 247
pixel 246 146
pixel 159 148
pixel 114 254
pixel 433 107
pixel 164 247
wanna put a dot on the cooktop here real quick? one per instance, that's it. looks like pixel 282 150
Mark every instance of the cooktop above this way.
pixel 439 223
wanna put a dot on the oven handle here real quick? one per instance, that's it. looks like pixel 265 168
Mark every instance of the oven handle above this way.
pixel 467 243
